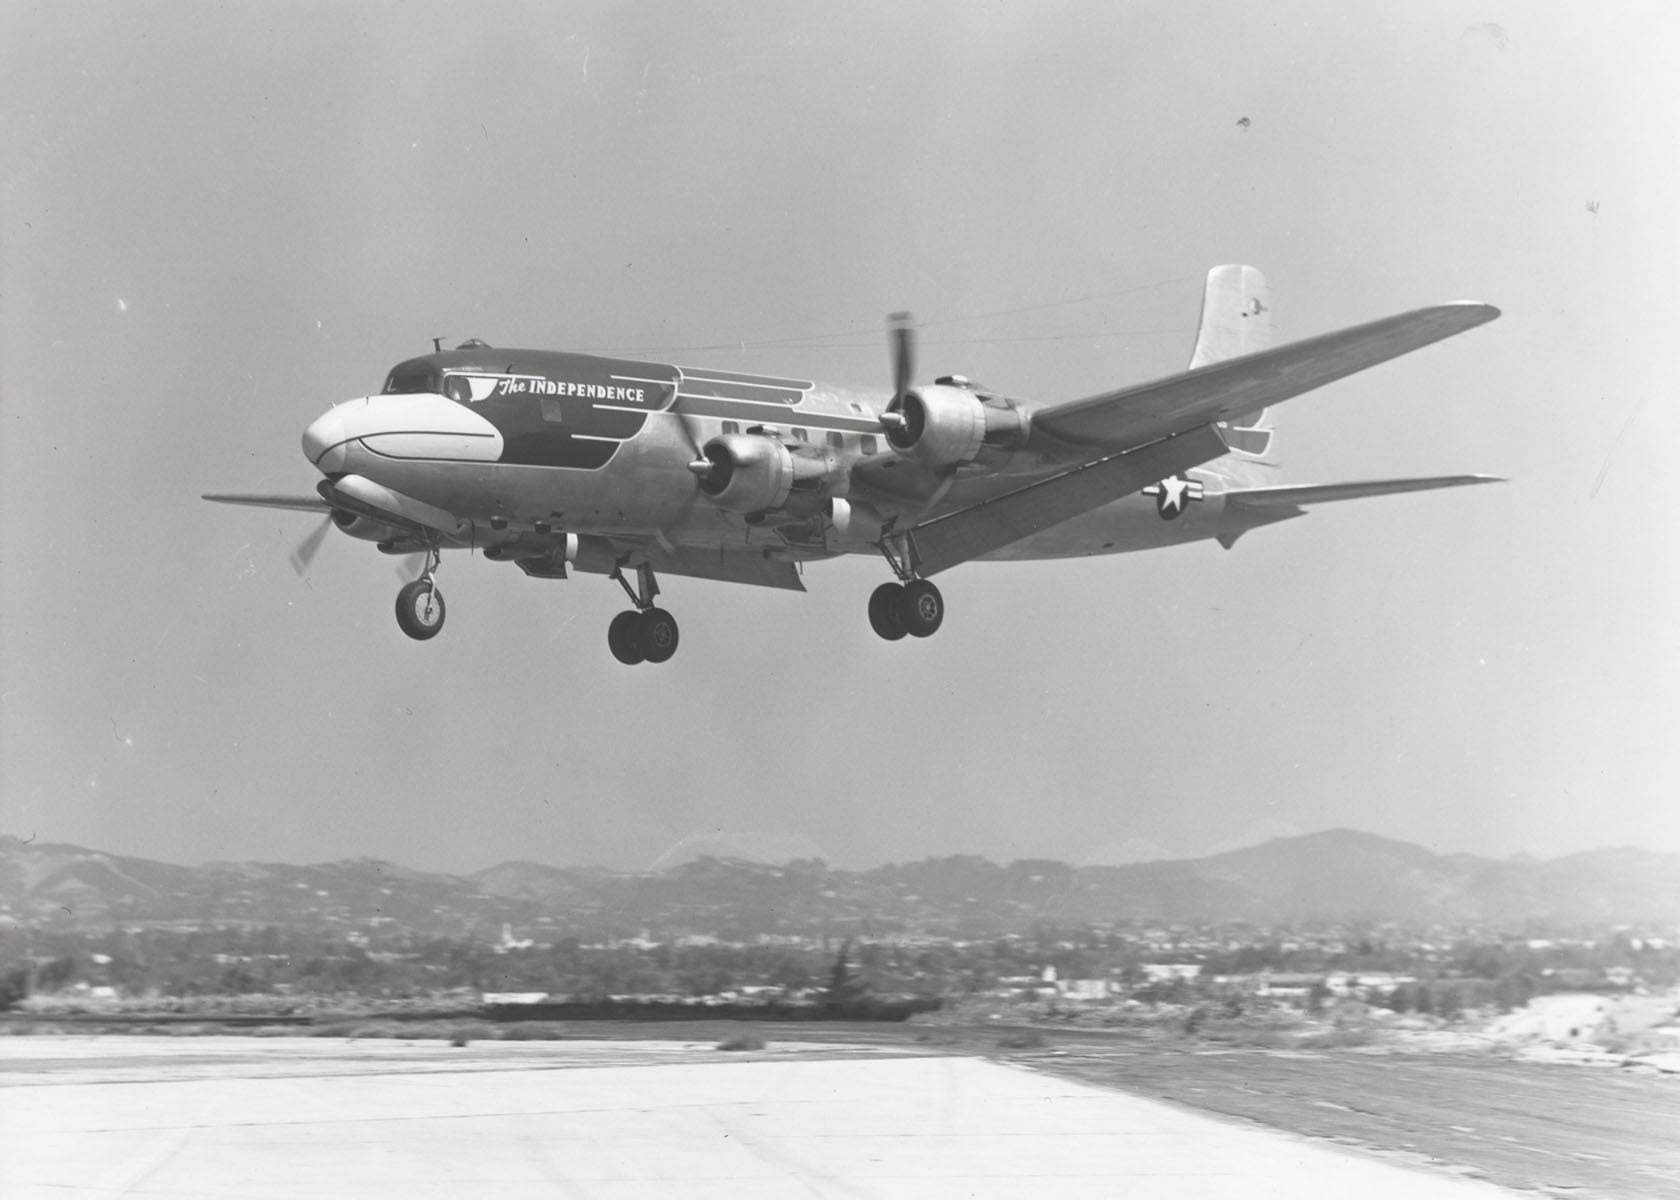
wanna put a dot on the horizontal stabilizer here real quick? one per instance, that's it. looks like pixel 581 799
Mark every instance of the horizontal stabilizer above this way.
pixel 1219 391
pixel 312 504
pixel 1323 493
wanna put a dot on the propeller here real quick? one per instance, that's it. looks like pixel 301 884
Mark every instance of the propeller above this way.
pixel 306 549
pixel 901 340
pixel 699 466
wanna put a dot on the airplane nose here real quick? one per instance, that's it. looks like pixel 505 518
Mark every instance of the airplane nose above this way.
pixel 325 434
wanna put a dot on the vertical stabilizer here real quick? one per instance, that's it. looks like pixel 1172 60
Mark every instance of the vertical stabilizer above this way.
pixel 1236 320
pixel 1236 316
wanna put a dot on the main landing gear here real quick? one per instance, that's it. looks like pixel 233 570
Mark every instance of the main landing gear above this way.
pixel 911 606
pixel 647 634
pixel 420 604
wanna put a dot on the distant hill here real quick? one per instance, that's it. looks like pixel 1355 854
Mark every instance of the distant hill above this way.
pixel 1339 874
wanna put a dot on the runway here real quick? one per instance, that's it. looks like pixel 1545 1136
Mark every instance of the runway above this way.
pixel 285 1117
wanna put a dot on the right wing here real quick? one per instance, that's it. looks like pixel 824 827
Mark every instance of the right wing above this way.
pixel 1134 416
pixel 312 504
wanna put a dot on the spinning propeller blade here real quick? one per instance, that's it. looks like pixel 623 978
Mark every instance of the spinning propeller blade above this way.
pixel 901 341
pixel 699 466
pixel 305 552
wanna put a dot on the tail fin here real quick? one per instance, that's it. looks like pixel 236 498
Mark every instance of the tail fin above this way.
pixel 1236 320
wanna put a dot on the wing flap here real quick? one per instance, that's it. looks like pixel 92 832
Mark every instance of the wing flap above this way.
pixel 992 524
pixel 1324 493
pixel 1222 390
pixel 726 566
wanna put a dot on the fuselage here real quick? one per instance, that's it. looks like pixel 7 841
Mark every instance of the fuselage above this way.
pixel 507 450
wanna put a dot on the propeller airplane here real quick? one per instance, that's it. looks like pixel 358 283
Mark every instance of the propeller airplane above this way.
pixel 558 462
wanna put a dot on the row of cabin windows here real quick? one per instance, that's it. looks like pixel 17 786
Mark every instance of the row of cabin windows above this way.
pixel 836 439
pixel 425 380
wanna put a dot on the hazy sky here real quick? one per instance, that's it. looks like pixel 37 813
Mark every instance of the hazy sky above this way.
pixel 218 219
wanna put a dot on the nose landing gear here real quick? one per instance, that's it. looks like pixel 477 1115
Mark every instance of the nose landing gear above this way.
pixel 420 604
pixel 647 634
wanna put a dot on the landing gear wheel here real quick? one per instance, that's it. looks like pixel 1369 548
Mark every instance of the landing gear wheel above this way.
pixel 623 639
pixel 885 617
pixel 656 636
pixel 420 609
pixel 921 608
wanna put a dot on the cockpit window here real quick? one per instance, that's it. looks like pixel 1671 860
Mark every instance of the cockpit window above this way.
pixel 407 380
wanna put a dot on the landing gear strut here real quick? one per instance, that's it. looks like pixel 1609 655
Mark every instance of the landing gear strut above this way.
pixel 647 634
pixel 911 606
pixel 420 604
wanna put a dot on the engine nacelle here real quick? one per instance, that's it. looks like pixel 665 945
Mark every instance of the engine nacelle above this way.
pixel 945 426
pixel 753 473
pixel 366 528
pixel 559 548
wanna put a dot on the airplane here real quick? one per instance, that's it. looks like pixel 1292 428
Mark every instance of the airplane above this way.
pixel 557 462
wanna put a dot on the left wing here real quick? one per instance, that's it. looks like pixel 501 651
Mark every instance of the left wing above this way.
pixel 1137 415
pixel 945 541
pixel 1273 498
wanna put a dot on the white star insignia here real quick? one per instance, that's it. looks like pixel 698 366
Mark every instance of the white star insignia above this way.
pixel 1173 494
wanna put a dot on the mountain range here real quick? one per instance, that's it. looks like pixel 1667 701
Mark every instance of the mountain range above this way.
pixel 1336 875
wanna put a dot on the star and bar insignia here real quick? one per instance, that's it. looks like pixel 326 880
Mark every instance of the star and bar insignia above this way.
pixel 1173 494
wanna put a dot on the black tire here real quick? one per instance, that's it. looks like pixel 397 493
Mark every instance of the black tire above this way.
pixel 420 610
pixel 623 640
pixel 656 635
pixel 885 617
pixel 921 608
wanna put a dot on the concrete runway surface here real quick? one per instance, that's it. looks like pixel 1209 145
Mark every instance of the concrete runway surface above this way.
pixel 237 1118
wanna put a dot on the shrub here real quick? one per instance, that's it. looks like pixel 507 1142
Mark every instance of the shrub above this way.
pixel 746 1040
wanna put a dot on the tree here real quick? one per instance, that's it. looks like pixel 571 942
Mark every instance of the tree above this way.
pixel 843 987
pixel 51 976
pixel 14 986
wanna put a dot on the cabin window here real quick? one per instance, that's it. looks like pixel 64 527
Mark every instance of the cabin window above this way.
pixel 457 388
pixel 866 444
pixel 801 435
pixel 731 427
pixel 837 440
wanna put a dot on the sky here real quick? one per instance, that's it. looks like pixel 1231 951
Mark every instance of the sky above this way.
pixel 216 220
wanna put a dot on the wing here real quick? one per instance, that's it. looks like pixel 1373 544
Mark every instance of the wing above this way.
pixel 312 504
pixel 993 524
pixel 1167 427
pixel 1133 416
pixel 725 566
pixel 1273 498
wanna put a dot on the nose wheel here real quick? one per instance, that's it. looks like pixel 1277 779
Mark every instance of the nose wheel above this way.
pixel 420 604
pixel 646 633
